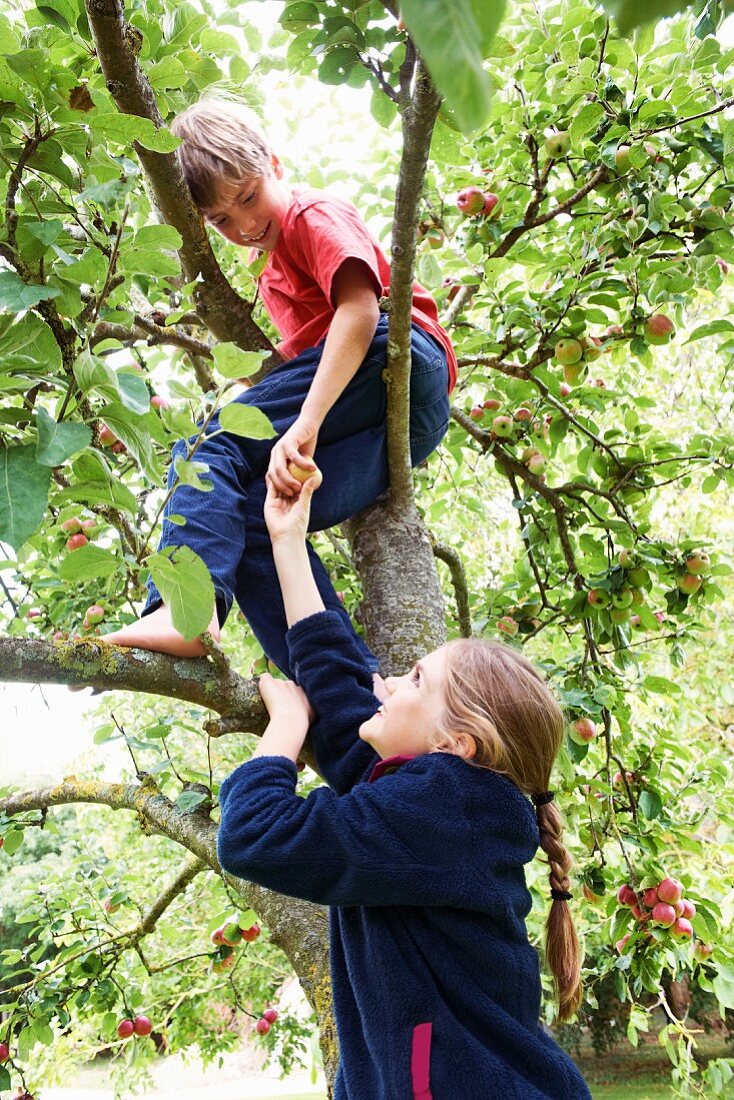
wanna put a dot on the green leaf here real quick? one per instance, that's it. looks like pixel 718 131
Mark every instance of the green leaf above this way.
pixel 454 38
pixel 189 471
pixel 87 563
pixel 186 588
pixel 724 986
pixel 167 73
pixel 24 488
pixel 710 330
pixel 133 391
pixel 651 804
pixel 15 295
pixel 661 686
pixel 231 361
pixel 13 841
pixel 247 421
pixel 633 13
pixel 4 1078
pixel 189 800
pixel 57 442
pixel 124 129
pixel 586 120
pixel 133 432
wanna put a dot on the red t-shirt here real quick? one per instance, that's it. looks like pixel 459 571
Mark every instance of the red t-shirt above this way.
pixel 319 232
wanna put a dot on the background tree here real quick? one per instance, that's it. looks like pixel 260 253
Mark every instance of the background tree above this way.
pixel 582 270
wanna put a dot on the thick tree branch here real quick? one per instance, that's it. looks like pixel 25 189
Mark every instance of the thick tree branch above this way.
pixel 221 308
pixel 448 555
pixel 192 867
pixel 112 668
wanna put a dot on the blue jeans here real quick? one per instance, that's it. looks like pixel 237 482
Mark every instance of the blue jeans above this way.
pixel 226 526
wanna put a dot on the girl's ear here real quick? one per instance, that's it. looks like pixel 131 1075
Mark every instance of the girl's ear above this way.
pixel 466 746
pixel 277 166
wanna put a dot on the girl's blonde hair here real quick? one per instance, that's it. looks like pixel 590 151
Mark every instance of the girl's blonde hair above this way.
pixel 221 145
pixel 497 698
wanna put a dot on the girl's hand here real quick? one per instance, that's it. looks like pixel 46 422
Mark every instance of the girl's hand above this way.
pixel 285 701
pixel 297 446
pixel 288 516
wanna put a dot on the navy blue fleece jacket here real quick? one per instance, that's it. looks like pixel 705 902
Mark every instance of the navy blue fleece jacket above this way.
pixel 436 986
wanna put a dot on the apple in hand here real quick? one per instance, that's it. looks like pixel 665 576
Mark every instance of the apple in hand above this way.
pixel 300 473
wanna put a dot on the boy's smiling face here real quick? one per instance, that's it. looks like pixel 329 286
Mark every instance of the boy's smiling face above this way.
pixel 251 212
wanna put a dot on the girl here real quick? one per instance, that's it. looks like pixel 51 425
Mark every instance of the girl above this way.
pixel 418 845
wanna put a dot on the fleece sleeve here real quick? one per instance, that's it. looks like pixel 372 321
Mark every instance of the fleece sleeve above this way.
pixel 329 666
pixel 381 844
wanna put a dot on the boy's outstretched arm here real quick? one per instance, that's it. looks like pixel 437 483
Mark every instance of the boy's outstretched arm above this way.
pixel 348 339
pixel 327 662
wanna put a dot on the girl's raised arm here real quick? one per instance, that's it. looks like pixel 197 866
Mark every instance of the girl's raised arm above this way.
pixel 326 662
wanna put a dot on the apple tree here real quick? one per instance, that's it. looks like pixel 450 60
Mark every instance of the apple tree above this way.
pixel 563 185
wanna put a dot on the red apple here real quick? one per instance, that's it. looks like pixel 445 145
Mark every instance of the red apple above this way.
pixel 723 265
pixel 564 389
pixel 689 909
pixel 89 525
pixel 94 614
pixel 688 583
pixel 683 928
pixel 72 526
pixel 492 403
pixel 270 1015
pixel 626 895
pixel 75 542
pixel 621 944
pixel 658 329
pixel 109 907
pixel 225 962
pixel 702 951
pixel 470 201
pixel 142 1026
pixel 663 914
pixel 251 934
pixel 650 897
pixel 490 201
pixel 106 436
pixel 698 563
pixel 217 937
pixel 584 729
pixel 125 1028
pixel 477 412
pixel 670 890
pixel 523 413
pixel 262 1027
pixel 507 625
pixel 158 402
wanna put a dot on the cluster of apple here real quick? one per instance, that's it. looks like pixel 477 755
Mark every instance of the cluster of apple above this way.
pixel 225 938
pixel 140 1026
pixel 474 202
pixel 522 618
pixel 575 355
pixel 696 566
pixel 662 905
pixel 508 426
pixel 266 1021
pixel 78 531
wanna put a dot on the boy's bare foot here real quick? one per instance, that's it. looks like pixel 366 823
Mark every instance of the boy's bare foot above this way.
pixel 156 632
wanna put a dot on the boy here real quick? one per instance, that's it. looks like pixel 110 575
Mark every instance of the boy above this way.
pixel 327 402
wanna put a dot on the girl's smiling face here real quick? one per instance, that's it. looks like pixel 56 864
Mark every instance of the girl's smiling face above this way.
pixel 251 212
pixel 406 723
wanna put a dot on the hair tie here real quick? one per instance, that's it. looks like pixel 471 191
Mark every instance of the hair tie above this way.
pixel 561 895
pixel 543 799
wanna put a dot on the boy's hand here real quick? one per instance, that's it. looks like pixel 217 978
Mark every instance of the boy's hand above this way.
pixel 297 445
pixel 288 516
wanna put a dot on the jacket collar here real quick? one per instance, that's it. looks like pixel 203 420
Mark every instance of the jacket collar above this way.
pixel 387 766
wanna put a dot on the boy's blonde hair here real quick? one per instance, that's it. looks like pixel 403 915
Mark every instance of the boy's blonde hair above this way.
pixel 496 697
pixel 221 144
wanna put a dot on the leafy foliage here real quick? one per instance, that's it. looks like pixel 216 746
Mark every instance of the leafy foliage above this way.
pixel 610 159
